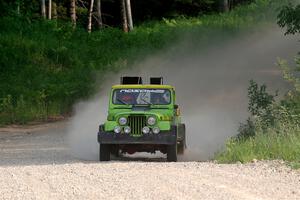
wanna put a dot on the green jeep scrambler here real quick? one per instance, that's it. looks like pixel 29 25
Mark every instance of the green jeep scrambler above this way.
pixel 142 118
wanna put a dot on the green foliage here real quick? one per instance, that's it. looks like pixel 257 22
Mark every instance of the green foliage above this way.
pixel 46 66
pixel 26 8
pixel 260 106
pixel 259 99
pixel 279 140
pixel 289 17
pixel 295 164
pixel 264 140
pixel 278 143
pixel 289 73
pixel 246 130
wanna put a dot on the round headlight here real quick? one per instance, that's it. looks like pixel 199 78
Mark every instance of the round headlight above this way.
pixel 151 121
pixel 155 130
pixel 122 121
pixel 127 129
pixel 146 130
pixel 117 129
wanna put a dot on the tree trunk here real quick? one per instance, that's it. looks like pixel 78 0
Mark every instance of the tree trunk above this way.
pixel 129 15
pixel 18 7
pixel 49 9
pixel 225 5
pixel 54 16
pixel 43 9
pixel 73 12
pixel 99 14
pixel 124 16
pixel 232 4
pixel 90 16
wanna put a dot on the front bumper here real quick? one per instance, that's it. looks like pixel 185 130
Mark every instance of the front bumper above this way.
pixel 164 137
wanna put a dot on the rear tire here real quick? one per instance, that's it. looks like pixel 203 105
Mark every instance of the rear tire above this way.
pixel 104 152
pixel 172 153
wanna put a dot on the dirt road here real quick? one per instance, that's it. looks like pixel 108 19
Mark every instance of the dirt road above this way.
pixel 36 164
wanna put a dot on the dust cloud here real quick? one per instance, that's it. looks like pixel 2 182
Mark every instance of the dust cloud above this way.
pixel 211 85
pixel 83 127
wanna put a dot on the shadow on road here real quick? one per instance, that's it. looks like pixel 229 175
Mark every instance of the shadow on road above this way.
pixel 34 148
pixel 50 147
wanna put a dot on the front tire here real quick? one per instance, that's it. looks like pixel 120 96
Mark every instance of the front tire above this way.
pixel 104 152
pixel 182 141
pixel 115 151
pixel 181 147
pixel 172 153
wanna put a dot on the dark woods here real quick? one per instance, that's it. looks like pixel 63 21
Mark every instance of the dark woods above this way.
pixel 97 14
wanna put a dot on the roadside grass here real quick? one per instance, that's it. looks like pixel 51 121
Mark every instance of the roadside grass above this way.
pixel 294 165
pixel 46 66
pixel 281 142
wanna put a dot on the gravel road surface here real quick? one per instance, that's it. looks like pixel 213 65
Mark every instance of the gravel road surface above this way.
pixel 35 164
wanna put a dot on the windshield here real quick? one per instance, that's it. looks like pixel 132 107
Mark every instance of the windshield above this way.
pixel 142 96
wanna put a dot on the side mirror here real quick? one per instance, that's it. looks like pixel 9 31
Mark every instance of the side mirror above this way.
pixel 175 106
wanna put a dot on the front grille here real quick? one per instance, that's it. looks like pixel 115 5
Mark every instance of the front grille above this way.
pixel 136 123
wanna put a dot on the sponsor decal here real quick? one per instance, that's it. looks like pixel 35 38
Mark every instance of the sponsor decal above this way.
pixel 142 91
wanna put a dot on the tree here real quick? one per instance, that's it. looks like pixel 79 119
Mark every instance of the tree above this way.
pixel 73 11
pixel 99 15
pixel 43 9
pixel 18 7
pixel 49 9
pixel 90 16
pixel 129 15
pixel 289 18
pixel 225 5
pixel 124 16
pixel 54 15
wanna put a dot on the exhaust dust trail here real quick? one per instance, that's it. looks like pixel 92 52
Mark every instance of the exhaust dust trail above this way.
pixel 211 85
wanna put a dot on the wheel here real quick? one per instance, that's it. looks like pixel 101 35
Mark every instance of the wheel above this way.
pixel 182 142
pixel 116 151
pixel 104 152
pixel 181 147
pixel 172 153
